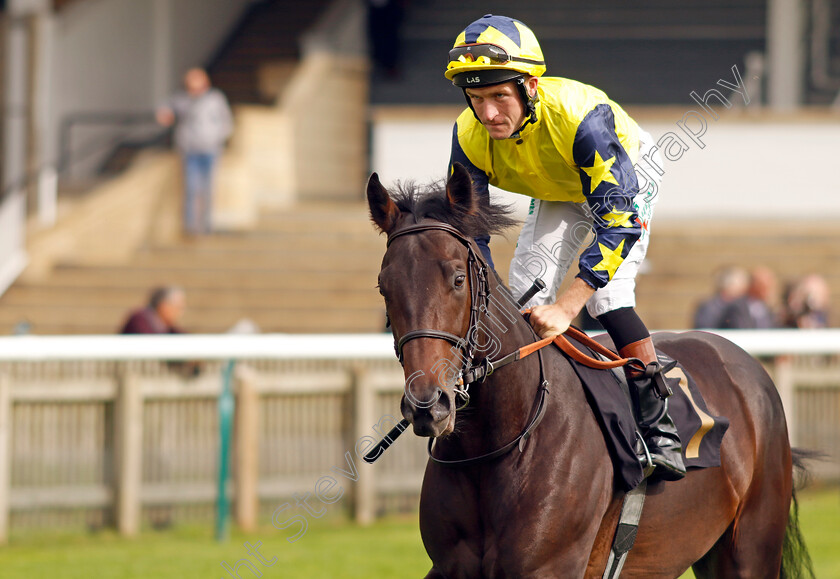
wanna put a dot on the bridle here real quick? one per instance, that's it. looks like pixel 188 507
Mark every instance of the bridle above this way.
pixel 477 269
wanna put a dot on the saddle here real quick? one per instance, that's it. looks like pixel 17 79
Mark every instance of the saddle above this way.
pixel 700 432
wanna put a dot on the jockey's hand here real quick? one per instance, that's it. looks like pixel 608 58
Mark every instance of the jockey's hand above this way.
pixel 552 320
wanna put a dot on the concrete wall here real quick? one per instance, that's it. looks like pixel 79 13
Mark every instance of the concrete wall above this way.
pixel 745 165
pixel 751 168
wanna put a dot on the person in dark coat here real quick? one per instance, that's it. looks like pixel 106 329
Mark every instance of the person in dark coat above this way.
pixel 161 315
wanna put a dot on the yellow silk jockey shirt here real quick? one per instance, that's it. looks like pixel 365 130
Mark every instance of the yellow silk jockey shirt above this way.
pixel 581 149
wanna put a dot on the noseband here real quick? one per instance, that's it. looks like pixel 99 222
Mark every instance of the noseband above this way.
pixel 477 270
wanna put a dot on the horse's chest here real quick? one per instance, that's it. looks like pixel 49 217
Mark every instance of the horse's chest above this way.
pixel 516 522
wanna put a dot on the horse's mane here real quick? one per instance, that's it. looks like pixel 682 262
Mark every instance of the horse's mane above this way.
pixel 430 202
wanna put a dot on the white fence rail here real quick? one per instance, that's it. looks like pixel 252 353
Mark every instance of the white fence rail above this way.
pixel 103 430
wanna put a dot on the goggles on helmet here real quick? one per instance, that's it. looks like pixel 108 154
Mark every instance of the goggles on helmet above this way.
pixel 493 53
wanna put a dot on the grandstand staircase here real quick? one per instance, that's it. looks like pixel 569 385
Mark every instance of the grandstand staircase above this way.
pixel 311 268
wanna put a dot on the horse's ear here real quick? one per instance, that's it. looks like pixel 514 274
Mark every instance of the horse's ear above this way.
pixel 383 211
pixel 459 191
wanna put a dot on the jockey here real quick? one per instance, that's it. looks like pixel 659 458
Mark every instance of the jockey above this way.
pixel 576 153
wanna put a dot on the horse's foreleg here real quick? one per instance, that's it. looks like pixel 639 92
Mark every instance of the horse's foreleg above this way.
pixel 435 573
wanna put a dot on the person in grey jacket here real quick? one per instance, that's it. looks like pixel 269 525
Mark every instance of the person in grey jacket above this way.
pixel 203 123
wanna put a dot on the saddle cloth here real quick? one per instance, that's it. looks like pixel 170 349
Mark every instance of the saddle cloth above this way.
pixel 700 432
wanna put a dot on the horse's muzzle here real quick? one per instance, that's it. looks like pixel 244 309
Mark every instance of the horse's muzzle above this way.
pixel 430 416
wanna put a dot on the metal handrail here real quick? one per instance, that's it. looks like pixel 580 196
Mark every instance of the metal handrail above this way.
pixel 68 157
pixel 72 120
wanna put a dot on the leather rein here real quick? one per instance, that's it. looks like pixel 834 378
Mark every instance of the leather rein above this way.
pixel 477 373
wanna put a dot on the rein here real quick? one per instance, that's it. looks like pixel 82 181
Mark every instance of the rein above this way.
pixel 613 359
pixel 477 269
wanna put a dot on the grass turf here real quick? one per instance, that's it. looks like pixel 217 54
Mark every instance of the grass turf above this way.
pixel 329 549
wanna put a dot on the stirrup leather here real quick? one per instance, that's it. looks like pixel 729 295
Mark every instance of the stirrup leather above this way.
pixel 656 371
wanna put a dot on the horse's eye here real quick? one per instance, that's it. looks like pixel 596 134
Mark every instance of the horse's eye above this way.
pixel 460 279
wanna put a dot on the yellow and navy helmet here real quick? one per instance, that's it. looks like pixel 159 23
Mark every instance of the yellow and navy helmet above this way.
pixel 492 50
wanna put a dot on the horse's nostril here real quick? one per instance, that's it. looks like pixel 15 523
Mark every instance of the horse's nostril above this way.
pixel 443 399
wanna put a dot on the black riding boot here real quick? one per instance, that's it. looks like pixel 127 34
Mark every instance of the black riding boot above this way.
pixel 651 408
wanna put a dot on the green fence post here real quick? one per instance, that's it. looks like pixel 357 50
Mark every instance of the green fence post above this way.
pixel 226 408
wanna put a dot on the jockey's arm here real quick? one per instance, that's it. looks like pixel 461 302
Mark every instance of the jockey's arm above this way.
pixel 609 186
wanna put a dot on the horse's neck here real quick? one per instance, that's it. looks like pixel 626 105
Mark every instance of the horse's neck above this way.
pixel 506 397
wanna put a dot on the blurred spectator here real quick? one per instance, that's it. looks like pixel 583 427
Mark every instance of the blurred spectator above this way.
pixel 730 284
pixel 806 303
pixel 384 22
pixel 161 315
pixel 203 122
pixel 754 311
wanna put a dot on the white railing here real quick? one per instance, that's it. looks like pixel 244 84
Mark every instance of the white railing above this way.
pixel 325 346
pixel 197 347
pixel 109 422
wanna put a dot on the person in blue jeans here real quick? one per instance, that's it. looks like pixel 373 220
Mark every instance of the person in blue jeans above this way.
pixel 203 123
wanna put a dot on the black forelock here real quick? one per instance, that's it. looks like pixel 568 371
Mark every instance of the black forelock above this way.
pixel 430 202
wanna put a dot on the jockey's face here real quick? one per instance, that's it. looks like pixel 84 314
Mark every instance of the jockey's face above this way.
pixel 499 107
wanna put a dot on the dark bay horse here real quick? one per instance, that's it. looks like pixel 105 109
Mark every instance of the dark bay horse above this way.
pixel 549 507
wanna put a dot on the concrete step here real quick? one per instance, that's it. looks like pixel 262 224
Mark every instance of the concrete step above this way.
pixel 134 276
pixel 77 319
pixel 197 298
pixel 334 262
pixel 279 241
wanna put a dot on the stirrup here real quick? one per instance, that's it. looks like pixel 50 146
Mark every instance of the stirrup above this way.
pixel 663 470
pixel 643 454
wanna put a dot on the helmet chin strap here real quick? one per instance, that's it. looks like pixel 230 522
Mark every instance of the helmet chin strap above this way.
pixel 528 101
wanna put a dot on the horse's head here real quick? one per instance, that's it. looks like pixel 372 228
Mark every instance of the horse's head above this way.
pixel 430 278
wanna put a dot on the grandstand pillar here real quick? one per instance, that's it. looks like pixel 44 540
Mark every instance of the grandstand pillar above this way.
pixel 44 156
pixel 128 450
pixel 785 53
pixel 5 455
pixel 16 71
